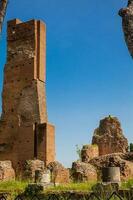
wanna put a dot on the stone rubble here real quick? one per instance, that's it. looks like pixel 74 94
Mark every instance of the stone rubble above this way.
pixel 7 172
pixel 88 152
pixel 59 174
pixel 30 167
pixel 83 172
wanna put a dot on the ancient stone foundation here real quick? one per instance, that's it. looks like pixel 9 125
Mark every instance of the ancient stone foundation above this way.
pixel 25 133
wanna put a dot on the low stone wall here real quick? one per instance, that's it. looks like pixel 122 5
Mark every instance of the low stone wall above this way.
pixel 122 194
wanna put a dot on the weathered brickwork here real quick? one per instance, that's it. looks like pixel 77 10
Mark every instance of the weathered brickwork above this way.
pixel 25 133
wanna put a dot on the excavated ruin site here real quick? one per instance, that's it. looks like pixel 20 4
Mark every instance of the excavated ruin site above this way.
pixel 27 140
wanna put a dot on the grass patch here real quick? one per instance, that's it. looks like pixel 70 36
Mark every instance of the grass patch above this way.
pixel 14 188
pixel 85 186
pixel 11 186
pixel 127 184
pixel 73 187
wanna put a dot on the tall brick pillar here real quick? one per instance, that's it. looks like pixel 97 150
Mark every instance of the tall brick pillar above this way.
pixel 24 129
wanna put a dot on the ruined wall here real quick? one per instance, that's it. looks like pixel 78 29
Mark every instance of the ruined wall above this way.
pixel 24 96
pixel 109 137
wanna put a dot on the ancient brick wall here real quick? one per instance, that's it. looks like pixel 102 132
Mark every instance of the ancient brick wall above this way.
pixel 24 96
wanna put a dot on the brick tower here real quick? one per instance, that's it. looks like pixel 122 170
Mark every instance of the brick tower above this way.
pixel 24 129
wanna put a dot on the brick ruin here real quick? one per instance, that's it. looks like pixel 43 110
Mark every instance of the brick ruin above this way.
pixel 109 137
pixel 25 133
pixel 109 148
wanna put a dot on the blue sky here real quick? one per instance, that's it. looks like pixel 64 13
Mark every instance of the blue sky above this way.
pixel 89 69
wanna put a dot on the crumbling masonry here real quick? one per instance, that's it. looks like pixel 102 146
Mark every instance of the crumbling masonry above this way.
pixel 25 133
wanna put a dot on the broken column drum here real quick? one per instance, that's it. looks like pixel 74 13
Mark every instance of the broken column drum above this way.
pixel 111 174
pixel 25 133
